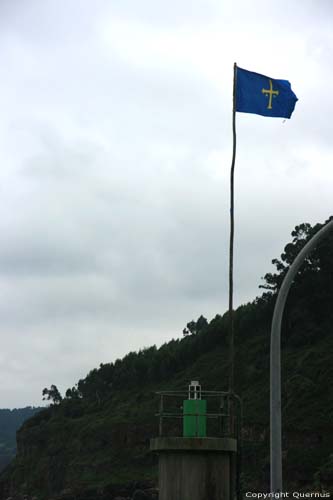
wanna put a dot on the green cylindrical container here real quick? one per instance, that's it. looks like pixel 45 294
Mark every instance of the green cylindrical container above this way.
pixel 194 419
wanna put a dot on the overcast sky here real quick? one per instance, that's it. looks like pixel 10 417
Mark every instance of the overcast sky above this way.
pixel 115 150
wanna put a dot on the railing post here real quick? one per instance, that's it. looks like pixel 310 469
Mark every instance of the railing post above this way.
pixel 161 416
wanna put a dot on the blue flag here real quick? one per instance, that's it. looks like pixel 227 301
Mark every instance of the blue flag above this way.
pixel 264 96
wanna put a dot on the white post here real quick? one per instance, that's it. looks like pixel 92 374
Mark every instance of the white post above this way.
pixel 275 377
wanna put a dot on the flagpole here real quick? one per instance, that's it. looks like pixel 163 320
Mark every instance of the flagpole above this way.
pixel 231 246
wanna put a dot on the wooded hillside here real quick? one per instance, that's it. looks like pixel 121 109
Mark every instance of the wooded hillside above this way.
pixel 97 435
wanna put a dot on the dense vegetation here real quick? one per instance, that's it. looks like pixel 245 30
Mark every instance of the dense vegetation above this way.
pixel 10 421
pixel 97 434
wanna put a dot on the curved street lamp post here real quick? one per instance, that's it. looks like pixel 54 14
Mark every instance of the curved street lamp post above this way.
pixel 275 361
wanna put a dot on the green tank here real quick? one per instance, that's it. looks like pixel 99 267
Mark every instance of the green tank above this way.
pixel 194 413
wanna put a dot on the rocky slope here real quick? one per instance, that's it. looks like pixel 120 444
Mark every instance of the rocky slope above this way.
pixel 10 421
pixel 104 449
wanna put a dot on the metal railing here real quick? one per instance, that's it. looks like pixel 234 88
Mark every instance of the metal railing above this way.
pixel 224 409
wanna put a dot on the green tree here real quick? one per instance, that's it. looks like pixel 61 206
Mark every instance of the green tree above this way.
pixel 73 393
pixel 52 394
pixel 318 263
pixel 310 297
pixel 195 327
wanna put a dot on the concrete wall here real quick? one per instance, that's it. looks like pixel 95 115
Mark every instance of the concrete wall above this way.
pixel 195 468
pixel 194 476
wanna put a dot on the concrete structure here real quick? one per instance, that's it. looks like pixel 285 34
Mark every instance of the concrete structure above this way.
pixel 195 468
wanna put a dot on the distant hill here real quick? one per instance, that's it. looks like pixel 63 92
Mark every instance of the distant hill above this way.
pixel 95 439
pixel 10 421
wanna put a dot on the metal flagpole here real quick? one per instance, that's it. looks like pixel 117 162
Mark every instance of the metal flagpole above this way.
pixel 275 377
pixel 231 246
